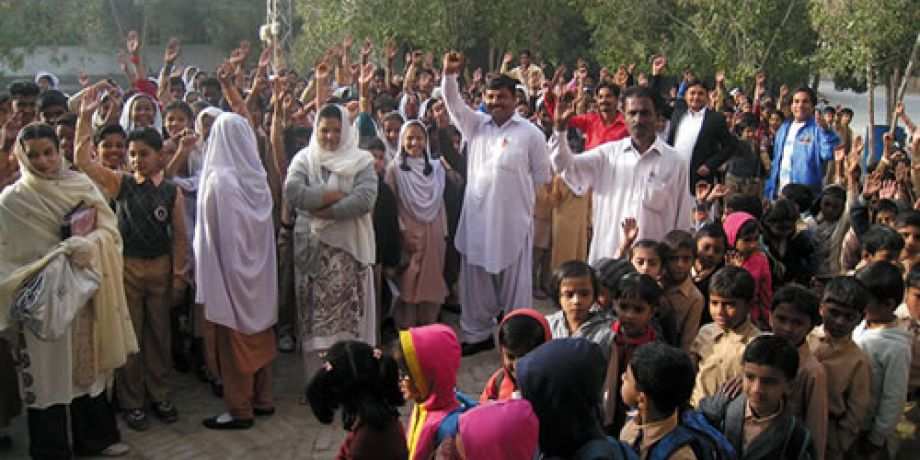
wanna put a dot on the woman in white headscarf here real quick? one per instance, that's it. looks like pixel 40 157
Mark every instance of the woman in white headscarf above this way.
pixel 235 269
pixel 332 187
pixel 74 367
pixel 141 111
pixel 47 80
pixel 418 182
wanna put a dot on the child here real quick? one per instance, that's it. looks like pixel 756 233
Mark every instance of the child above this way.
pixel 710 257
pixel 829 224
pixel 909 320
pixel 743 235
pixel 428 357
pixel 757 422
pixel 418 184
pixel 717 348
pixel 847 367
pixel 365 385
pixel 884 213
pixel 520 332
pixel 681 297
pixel 648 257
pixel 881 244
pixel 574 290
pixel 908 226
pixel 790 250
pixel 505 430
pixel 638 296
pixel 888 348
pixel 111 147
pixel 658 382
pixel 794 315
pixel 609 272
pixel 151 218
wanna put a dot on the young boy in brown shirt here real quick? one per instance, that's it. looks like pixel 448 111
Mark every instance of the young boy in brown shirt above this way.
pixel 909 320
pixel 719 345
pixel 681 297
pixel 795 315
pixel 847 367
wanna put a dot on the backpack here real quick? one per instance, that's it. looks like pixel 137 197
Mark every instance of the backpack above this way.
pixel 450 425
pixel 694 431
pixel 797 441
pixel 606 448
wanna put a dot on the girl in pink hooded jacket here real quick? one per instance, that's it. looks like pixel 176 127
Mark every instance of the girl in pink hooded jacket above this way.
pixel 743 235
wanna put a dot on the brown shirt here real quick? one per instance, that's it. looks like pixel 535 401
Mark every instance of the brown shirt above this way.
pixel 912 326
pixel 754 426
pixel 808 398
pixel 686 303
pixel 649 434
pixel 849 382
pixel 718 355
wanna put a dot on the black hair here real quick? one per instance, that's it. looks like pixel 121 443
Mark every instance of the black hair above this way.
pixel 801 298
pixel 384 102
pixel 748 120
pixel 847 111
pixel 501 81
pixel 812 96
pixel 913 277
pixel 745 203
pixel 364 385
pixel 147 135
pixel 784 210
pixel 847 292
pixel 883 205
pixel 330 111
pixel 177 82
pixel 639 286
pixel 292 135
pixel 748 229
pixel 208 82
pixel 38 130
pixel 520 334
pixel 665 374
pixel 711 230
pixel 676 240
pixel 829 109
pixel 801 194
pixel 882 238
pixel 106 130
pixel 773 351
pixel 614 89
pixel 833 191
pixel 426 70
pixel 637 92
pixel 68 119
pixel 23 88
pixel 51 98
pixel 404 162
pixel 181 106
pixel 609 271
pixel 733 282
pixel 884 282
pixel 907 218
pixel 525 52
pixel 571 269
pixel 660 249
pixel 697 82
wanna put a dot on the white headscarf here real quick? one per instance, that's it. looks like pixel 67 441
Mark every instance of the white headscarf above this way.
pixel 235 266
pixel 209 111
pixel 127 123
pixel 55 81
pixel 353 235
pixel 421 194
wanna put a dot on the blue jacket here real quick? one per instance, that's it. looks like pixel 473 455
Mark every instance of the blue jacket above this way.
pixel 813 147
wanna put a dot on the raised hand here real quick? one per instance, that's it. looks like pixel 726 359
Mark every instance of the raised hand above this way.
pixel 507 58
pixel 658 64
pixel 428 60
pixel 720 77
pixel 840 153
pixel 873 185
pixel 734 258
pixel 889 189
pixel 225 73
pixel 367 47
pixel 453 63
pixel 322 72
pixel 391 49
pixel 265 58
pixel 347 42
pixel 367 74
pixel 703 189
pixel 630 229
pixel 899 109
pixel 565 110
pixel 133 42
pixel 477 75
pixel 10 130
pixel 172 51
pixel 761 78
pixel 783 91
pixel 719 191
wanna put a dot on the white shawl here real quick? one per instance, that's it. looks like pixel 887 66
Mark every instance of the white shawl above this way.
pixel 127 123
pixel 420 194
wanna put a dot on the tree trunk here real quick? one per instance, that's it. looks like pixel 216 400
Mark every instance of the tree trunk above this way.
pixel 815 81
pixel 891 85
pixel 870 135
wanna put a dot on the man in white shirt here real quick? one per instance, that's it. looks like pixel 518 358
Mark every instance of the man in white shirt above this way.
pixel 639 177
pixel 507 160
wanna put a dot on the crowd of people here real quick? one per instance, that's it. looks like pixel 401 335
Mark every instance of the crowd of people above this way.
pixel 732 277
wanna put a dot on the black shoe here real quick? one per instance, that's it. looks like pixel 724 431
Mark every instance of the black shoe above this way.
pixel 234 424
pixel 165 411
pixel 136 419
pixel 263 412
pixel 469 349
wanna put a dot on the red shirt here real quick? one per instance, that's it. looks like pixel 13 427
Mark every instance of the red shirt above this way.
pixel 596 132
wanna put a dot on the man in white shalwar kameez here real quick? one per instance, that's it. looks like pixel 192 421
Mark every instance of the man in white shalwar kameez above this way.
pixel 507 160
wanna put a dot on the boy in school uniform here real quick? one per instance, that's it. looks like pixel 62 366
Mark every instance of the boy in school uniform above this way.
pixel 909 320
pixel 719 345
pixel 846 365
pixel 758 422
pixel 657 382
pixel 795 315
pixel 889 351
pixel 681 297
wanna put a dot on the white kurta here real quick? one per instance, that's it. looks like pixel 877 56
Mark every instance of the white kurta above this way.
pixel 651 187
pixel 505 164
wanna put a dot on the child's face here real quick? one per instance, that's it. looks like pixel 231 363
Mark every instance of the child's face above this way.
pixel 885 218
pixel 790 323
pixel 646 261
pixel 764 387
pixel 379 161
pixel 576 295
pixel 634 316
pixel 603 297
pixel 413 141
pixel 112 151
pixel 143 112
pixel 628 390
pixel 727 312
pixel 912 299
pixel 839 320
pixel 882 255
pixel 509 360
pixel 710 251
pixel 145 161
pixel 406 385
pixel 176 122
pixel 679 264
pixel 391 129
pixel 747 244
pixel 911 235
pixel 831 208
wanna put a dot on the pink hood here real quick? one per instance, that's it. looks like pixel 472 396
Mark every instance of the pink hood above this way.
pixel 485 431
pixel 733 223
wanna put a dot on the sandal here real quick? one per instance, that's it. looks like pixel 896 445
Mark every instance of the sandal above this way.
pixel 119 449
pixel 227 422
pixel 136 419
pixel 165 411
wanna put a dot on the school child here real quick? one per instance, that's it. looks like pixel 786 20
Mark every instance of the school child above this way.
pixel 909 320
pixel 111 144
pixel 151 219
pixel 790 250
pixel 847 367
pixel 520 331
pixel 364 384
pixel 710 257
pixel 881 244
pixel 609 271
pixel 574 290
pixel 502 430
pixel 638 296
pixel 648 258
pixel 717 348
pixel 658 383
pixel 829 223
pixel 907 223
pixel 888 348
pixel 681 297
pixel 795 313
pixel 429 358
pixel 743 236
pixel 883 213
pixel 758 422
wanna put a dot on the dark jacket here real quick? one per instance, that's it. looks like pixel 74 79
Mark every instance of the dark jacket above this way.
pixel 787 438
pixel 714 146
